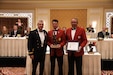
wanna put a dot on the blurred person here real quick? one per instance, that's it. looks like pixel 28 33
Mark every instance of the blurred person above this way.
pixel 104 33
pixel 64 29
pixel 19 23
pixel 20 26
pixel 4 32
pixel 111 35
pixel 27 31
pixel 15 31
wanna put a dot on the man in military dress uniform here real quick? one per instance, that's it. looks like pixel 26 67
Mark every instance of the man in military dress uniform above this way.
pixel 37 43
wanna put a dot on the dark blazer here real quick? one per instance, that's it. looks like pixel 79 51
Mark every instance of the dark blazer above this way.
pixel 34 45
pixel 61 40
pixel 80 36
pixel 101 35
pixel 12 33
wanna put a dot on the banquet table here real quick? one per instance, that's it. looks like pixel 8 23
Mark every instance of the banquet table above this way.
pixel 91 35
pixel 104 47
pixel 17 46
pixel 91 65
pixel 13 47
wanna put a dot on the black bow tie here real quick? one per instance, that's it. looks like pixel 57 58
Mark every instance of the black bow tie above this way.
pixel 73 28
pixel 40 30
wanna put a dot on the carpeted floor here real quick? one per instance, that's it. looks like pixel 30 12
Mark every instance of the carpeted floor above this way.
pixel 12 71
pixel 110 72
pixel 21 71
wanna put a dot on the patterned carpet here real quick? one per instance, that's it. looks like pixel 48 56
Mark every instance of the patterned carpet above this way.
pixel 107 72
pixel 21 71
pixel 12 71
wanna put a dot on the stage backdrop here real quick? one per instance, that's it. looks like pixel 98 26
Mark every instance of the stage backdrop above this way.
pixel 65 15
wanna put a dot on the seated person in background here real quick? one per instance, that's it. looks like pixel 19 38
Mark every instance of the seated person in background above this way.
pixel 20 25
pixel 4 32
pixel 111 35
pixel 64 29
pixel 15 31
pixel 104 33
pixel 27 31
pixel 90 29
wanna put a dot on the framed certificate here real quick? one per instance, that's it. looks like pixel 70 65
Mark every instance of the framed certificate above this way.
pixel 73 46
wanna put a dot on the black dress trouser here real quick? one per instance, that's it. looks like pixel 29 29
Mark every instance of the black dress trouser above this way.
pixel 41 66
pixel 71 60
pixel 38 59
pixel 60 64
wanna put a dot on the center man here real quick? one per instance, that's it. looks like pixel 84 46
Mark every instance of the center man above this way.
pixel 56 41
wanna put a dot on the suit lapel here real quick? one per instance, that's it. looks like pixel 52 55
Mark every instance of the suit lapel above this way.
pixel 70 33
pixel 37 35
pixel 45 35
pixel 77 31
pixel 58 32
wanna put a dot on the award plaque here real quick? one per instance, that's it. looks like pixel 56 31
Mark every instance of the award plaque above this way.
pixel 55 46
pixel 55 42
pixel 72 46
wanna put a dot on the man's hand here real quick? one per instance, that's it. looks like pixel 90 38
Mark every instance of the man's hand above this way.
pixel 32 57
pixel 55 46
pixel 59 46
pixel 51 45
pixel 79 49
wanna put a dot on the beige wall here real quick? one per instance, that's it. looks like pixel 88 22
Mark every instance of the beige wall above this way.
pixel 95 17
pixel 65 15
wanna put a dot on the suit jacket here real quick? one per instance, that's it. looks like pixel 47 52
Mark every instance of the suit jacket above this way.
pixel 80 36
pixel 12 33
pixel 101 35
pixel 61 40
pixel 34 45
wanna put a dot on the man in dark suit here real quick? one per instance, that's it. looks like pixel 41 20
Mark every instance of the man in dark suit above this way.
pixel 56 41
pixel 37 43
pixel 104 33
pixel 15 31
pixel 90 29
pixel 76 34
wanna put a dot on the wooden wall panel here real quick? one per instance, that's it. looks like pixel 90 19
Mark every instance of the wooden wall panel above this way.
pixel 65 15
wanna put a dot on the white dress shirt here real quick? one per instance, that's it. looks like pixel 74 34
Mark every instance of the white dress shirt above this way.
pixel 42 37
pixel 73 33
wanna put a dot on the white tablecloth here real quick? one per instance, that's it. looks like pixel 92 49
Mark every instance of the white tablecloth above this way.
pixel 13 46
pixel 91 35
pixel 91 65
pixel 105 47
